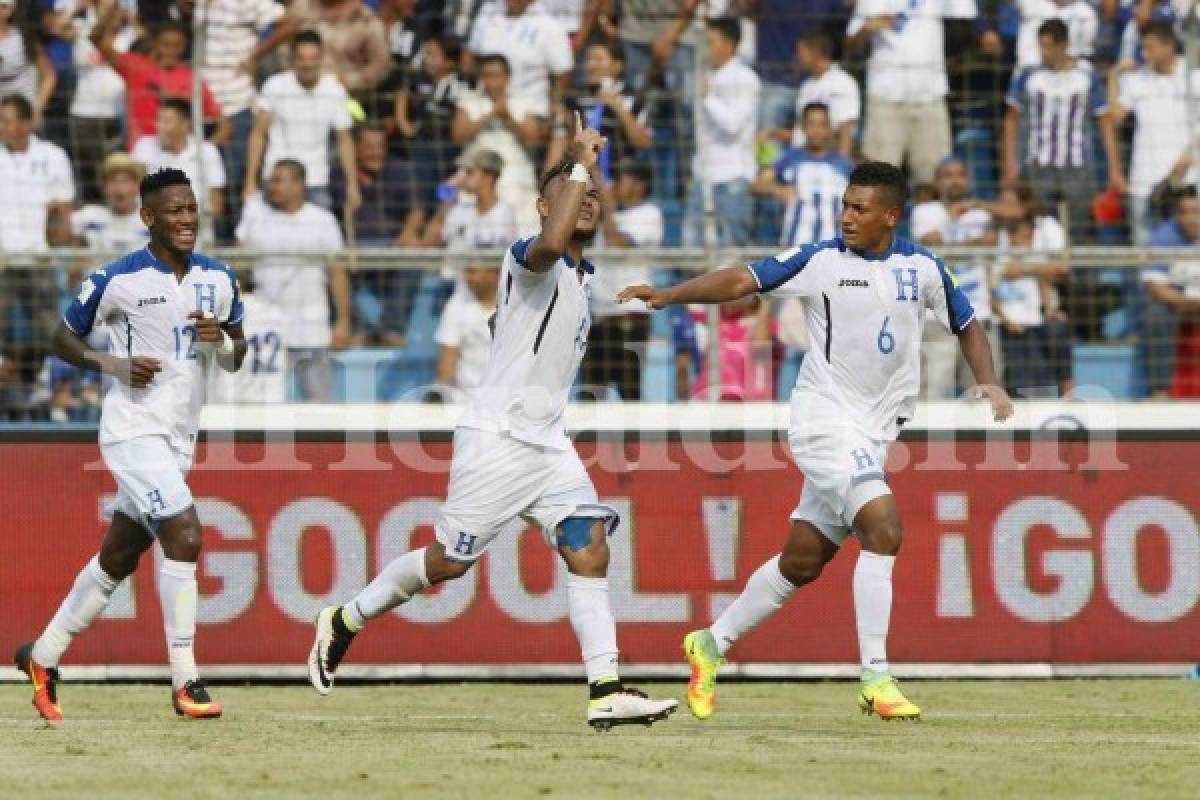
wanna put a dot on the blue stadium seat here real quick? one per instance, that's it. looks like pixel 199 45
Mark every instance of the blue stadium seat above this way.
pixel 1111 367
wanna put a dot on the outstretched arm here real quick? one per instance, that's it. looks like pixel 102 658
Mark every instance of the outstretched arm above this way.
pixel 975 349
pixel 715 287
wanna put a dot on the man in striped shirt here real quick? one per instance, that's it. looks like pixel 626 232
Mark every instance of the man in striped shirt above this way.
pixel 1058 100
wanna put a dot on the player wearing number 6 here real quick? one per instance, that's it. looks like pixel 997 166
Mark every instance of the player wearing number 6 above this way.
pixel 866 294
pixel 170 314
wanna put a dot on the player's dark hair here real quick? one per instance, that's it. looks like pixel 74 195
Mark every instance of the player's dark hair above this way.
pixel 729 29
pixel 563 167
pixel 307 37
pixel 1161 30
pixel 812 108
pixel 881 175
pixel 178 105
pixel 495 58
pixel 818 41
pixel 640 171
pixel 611 47
pixel 295 167
pixel 170 26
pixel 369 126
pixel 155 182
pixel 1055 28
pixel 20 104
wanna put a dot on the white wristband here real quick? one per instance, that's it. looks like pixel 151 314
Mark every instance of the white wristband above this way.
pixel 225 348
pixel 580 173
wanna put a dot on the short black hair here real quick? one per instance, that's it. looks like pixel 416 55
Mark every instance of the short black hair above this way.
pixel 1055 28
pixel 155 182
pixel 640 171
pixel 818 40
pixel 813 107
pixel 20 104
pixel 495 58
pixel 178 105
pixel 307 37
pixel 295 167
pixel 609 46
pixel 882 175
pixel 371 125
pixel 1161 30
pixel 563 167
pixel 170 26
pixel 728 27
pixel 450 45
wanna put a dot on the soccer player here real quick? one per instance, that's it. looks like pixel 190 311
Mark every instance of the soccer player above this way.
pixel 866 295
pixel 170 313
pixel 512 457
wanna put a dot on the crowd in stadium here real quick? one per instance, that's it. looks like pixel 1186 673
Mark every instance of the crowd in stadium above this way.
pixel 426 123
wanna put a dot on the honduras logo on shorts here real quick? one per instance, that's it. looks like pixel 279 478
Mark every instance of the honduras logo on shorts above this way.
pixel 465 543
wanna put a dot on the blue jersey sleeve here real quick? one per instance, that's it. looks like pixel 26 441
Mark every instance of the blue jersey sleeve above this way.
pixel 1097 97
pixel 520 251
pixel 774 271
pixel 958 308
pixel 80 316
pixel 237 310
pixel 1016 88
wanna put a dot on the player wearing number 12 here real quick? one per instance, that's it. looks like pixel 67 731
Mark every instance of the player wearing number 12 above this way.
pixel 170 314
pixel 866 294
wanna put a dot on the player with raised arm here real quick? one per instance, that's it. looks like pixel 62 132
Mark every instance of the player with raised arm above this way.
pixel 865 294
pixel 170 312
pixel 512 457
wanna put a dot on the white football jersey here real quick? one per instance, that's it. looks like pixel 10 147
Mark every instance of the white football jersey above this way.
pixel 263 376
pixel 145 312
pixel 542 325
pixel 865 316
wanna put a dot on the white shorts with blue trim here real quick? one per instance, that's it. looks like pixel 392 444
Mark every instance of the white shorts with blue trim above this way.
pixel 496 479
pixel 151 479
pixel 843 470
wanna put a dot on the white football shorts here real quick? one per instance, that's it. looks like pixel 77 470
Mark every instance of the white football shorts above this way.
pixel 151 479
pixel 495 479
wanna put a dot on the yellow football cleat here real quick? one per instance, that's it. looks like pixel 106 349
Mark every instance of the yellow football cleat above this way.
pixel 701 651
pixel 883 697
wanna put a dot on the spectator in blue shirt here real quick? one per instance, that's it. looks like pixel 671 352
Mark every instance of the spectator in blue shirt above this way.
pixel 1172 300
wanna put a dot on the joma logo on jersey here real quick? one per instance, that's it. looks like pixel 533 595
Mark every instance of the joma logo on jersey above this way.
pixel 853 282
pixel 151 301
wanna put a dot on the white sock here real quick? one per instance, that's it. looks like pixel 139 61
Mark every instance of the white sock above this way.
pixel 765 592
pixel 873 608
pixel 592 618
pixel 397 583
pixel 87 598
pixel 177 594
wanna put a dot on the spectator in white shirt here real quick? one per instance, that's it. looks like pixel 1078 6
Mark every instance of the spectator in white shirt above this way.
pixel 463 335
pixel 1156 94
pixel 907 117
pixel 617 342
pixel 725 147
pixel 298 271
pixel 472 215
pixel 263 376
pixel 114 228
pixel 536 46
pixel 297 111
pixel 826 83
pixel 173 145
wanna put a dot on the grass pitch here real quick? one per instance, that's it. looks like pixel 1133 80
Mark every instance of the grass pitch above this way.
pixel 1094 739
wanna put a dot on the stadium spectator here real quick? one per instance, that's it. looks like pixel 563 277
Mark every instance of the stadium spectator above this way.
pixel 725 142
pixel 1059 100
pixel 1171 327
pixel 463 336
pixel 535 46
pixel 617 342
pixel 782 25
pixel 25 68
pixel 907 117
pixel 826 82
pixel 955 218
pixel 262 378
pixel 1140 14
pixel 1034 332
pixel 809 180
pixel 390 215
pixel 1156 94
pixel 607 105
pixel 174 146
pixel 114 228
pixel 748 357
pixel 237 34
pixel 297 112
pixel 406 33
pixel 1078 17
pixel 301 274
pixel 493 118
pixel 94 118
pixel 356 47
pixel 150 78
pixel 658 38
pixel 66 393
pixel 423 113
pixel 472 215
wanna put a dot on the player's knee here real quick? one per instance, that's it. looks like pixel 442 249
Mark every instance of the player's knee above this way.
pixel 883 538
pixel 801 568
pixel 119 564
pixel 182 537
